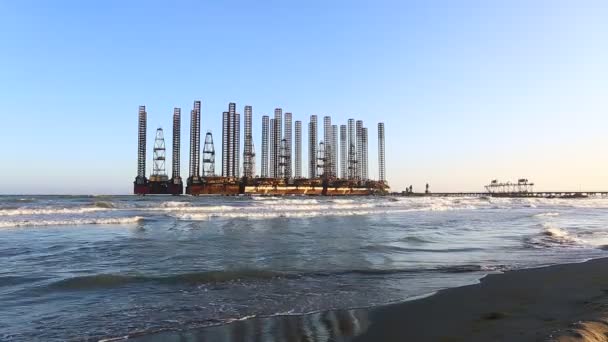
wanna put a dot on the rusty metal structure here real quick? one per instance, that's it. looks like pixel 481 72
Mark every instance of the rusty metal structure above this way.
pixel 159 182
pixel 337 164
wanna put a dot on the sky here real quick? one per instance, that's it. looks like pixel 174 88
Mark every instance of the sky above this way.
pixel 469 91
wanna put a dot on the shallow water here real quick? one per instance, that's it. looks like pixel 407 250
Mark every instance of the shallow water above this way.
pixel 74 267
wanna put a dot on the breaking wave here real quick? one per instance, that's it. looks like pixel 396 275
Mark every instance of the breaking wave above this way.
pixel 105 204
pixel 116 280
pixel 70 222
pixel 559 235
pixel 552 236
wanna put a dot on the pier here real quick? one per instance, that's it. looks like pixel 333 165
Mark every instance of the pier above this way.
pixel 538 194
pixel 522 188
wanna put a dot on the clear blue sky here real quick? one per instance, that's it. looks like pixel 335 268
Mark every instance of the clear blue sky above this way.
pixel 469 90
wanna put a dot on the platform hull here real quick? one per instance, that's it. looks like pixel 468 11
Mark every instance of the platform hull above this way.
pixel 230 186
pixel 141 189
pixel 212 189
pixel 158 188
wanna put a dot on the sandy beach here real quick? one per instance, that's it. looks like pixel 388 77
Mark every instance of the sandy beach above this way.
pixel 556 303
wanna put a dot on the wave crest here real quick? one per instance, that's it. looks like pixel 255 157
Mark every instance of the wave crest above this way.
pixel 117 280
pixel 245 275
pixel 81 221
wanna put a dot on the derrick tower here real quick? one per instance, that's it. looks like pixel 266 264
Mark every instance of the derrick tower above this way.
pixel 283 160
pixel 321 158
pixel 208 156
pixel 159 173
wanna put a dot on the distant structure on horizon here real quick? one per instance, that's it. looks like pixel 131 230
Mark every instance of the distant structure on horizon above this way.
pixel 337 164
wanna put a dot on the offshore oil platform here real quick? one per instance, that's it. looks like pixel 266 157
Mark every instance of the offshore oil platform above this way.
pixel 334 169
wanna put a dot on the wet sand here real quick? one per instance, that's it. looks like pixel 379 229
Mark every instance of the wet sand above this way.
pixel 558 303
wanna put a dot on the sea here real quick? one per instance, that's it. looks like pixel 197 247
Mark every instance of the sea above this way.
pixel 105 267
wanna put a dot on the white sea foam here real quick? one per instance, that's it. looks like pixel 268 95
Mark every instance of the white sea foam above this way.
pixel 210 208
pixel 70 222
pixel 305 208
pixel 343 201
pixel 295 201
pixel 49 211
pixel 175 204
pixel 546 215
pixel 266 215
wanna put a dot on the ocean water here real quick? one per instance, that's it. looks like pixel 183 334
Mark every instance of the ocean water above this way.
pixel 94 267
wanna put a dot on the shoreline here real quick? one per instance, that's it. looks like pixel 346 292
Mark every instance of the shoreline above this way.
pixel 565 303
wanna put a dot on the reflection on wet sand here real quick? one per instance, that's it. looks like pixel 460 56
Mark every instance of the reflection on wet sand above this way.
pixel 326 326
